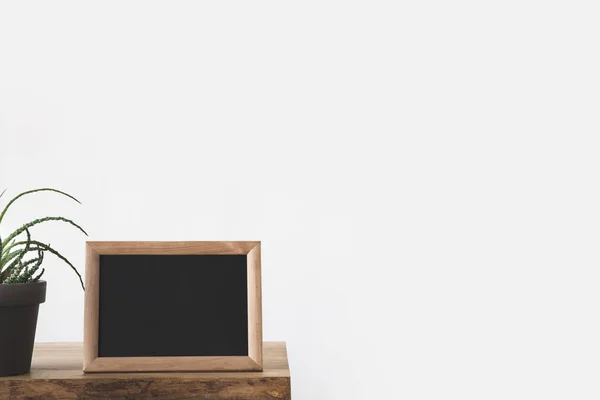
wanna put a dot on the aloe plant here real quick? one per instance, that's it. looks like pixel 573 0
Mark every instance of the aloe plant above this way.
pixel 21 257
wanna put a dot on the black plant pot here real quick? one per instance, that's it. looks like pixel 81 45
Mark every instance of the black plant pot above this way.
pixel 19 304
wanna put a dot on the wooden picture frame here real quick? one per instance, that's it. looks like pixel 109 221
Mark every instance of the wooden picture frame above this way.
pixel 93 363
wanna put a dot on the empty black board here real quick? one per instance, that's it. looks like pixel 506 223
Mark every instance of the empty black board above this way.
pixel 173 305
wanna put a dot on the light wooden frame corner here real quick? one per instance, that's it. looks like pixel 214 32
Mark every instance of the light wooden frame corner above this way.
pixel 93 363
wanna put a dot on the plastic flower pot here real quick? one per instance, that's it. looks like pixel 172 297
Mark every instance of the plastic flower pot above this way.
pixel 19 305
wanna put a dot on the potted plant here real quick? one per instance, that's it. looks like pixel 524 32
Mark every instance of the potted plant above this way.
pixel 21 290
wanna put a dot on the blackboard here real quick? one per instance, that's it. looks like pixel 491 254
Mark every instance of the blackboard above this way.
pixel 184 305
pixel 172 306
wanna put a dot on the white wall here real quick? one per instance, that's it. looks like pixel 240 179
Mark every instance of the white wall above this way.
pixel 423 175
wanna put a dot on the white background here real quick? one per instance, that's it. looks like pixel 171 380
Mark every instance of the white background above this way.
pixel 423 175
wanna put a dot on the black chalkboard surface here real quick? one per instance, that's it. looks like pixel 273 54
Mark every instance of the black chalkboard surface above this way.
pixel 173 305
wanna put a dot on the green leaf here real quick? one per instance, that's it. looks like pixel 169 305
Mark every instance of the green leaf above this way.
pixel 6 249
pixel 8 257
pixel 38 276
pixel 27 244
pixel 8 270
pixel 19 257
pixel 33 191
pixel 46 247
pixel 26 275
pixel 23 273
pixel 14 272
pixel 39 221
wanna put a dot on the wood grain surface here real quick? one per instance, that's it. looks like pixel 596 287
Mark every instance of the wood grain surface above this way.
pixel 173 247
pixel 91 314
pixel 255 339
pixel 57 374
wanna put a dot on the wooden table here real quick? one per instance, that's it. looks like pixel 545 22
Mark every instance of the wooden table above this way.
pixel 56 374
